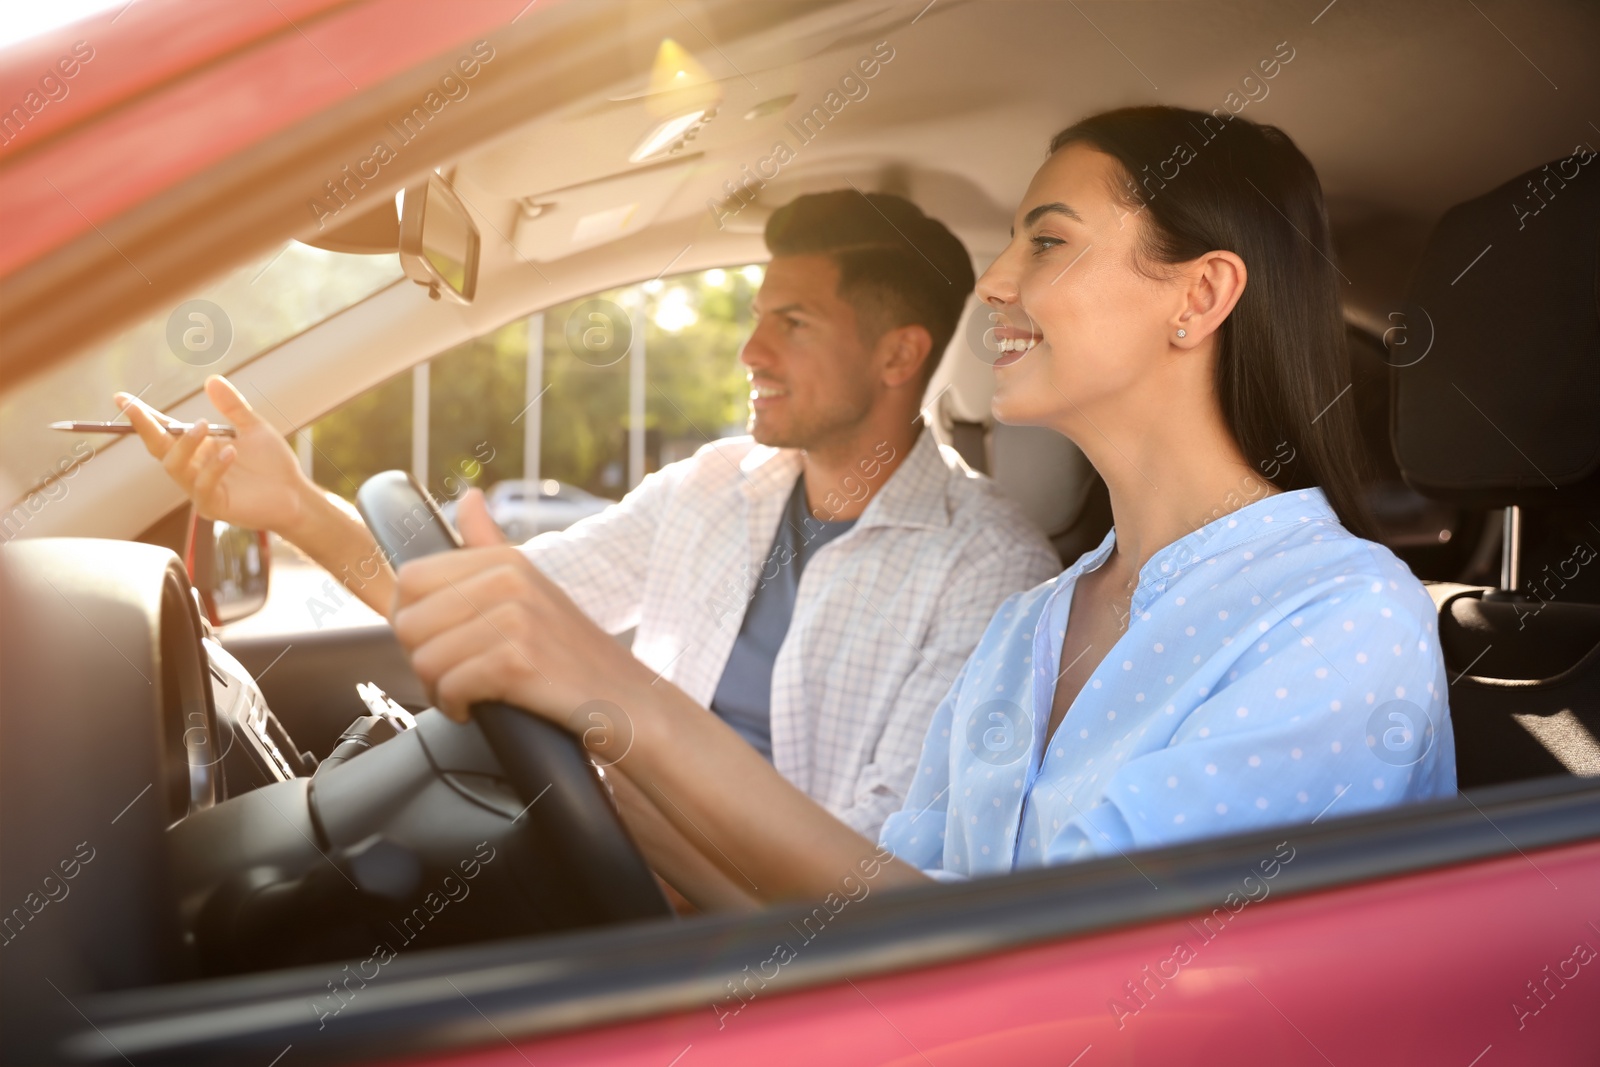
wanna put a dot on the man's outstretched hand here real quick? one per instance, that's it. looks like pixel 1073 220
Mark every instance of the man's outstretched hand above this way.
pixel 484 623
pixel 250 480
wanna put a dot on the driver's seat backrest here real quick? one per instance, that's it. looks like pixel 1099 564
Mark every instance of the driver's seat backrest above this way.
pixel 1503 410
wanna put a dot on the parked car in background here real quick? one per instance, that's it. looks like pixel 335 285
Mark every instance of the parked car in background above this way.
pixel 524 508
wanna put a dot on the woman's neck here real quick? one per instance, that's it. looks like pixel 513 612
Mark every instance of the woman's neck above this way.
pixel 1167 477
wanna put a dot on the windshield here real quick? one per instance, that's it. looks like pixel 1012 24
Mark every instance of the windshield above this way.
pixel 168 356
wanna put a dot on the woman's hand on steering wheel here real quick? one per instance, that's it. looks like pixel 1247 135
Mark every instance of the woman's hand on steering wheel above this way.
pixel 484 624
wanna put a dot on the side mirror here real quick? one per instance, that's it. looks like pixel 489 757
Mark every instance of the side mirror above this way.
pixel 439 241
pixel 229 567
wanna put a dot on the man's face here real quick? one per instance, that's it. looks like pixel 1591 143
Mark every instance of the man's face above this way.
pixel 812 378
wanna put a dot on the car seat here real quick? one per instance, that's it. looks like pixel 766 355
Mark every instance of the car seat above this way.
pixel 1496 403
pixel 1043 472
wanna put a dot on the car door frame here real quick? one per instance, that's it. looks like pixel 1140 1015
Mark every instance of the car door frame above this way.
pixel 1403 879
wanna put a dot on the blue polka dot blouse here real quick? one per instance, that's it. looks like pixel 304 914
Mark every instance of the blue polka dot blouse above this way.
pixel 1275 669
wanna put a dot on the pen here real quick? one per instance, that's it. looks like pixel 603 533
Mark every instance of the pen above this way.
pixel 176 429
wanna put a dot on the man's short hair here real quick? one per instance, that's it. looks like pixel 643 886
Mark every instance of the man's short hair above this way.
pixel 897 267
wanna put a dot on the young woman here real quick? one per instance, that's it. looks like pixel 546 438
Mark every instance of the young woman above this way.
pixel 1234 654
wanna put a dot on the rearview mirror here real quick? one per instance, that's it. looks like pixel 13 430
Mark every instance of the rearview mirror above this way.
pixel 229 568
pixel 439 241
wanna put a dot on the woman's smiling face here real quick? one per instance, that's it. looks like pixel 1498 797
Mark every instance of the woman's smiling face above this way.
pixel 1078 326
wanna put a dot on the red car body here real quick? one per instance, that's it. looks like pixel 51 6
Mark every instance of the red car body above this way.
pixel 1417 947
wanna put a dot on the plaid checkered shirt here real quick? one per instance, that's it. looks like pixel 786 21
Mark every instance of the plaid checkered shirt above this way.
pixel 883 620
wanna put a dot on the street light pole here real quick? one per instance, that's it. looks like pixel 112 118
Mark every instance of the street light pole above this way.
pixel 636 400
pixel 419 422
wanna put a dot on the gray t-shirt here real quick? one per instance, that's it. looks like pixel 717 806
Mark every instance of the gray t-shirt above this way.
pixel 744 694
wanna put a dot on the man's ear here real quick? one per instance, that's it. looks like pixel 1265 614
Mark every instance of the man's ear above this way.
pixel 905 350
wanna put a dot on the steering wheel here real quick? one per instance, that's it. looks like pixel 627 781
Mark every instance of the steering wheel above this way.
pixel 569 813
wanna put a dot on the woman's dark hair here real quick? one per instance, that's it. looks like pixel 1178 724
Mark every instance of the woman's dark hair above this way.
pixel 1203 182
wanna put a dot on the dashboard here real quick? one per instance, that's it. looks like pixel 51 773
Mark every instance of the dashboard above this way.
pixel 253 749
pixel 209 841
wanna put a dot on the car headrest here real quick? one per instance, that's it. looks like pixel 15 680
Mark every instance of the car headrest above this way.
pixel 1497 353
pixel 964 384
pixel 1043 472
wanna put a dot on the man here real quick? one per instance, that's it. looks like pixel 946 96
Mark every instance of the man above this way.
pixel 817 584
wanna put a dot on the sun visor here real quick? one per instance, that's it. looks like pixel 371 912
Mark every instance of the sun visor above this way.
pixel 1496 354
pixel 558 223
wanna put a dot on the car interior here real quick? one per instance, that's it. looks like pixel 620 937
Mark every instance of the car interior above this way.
pixel 272 819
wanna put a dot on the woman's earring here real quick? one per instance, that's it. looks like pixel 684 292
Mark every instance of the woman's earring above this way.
pixel 1183 333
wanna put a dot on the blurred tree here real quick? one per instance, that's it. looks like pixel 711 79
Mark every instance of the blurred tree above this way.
pixel 695 392
pixel 475 391
pixel 368 434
